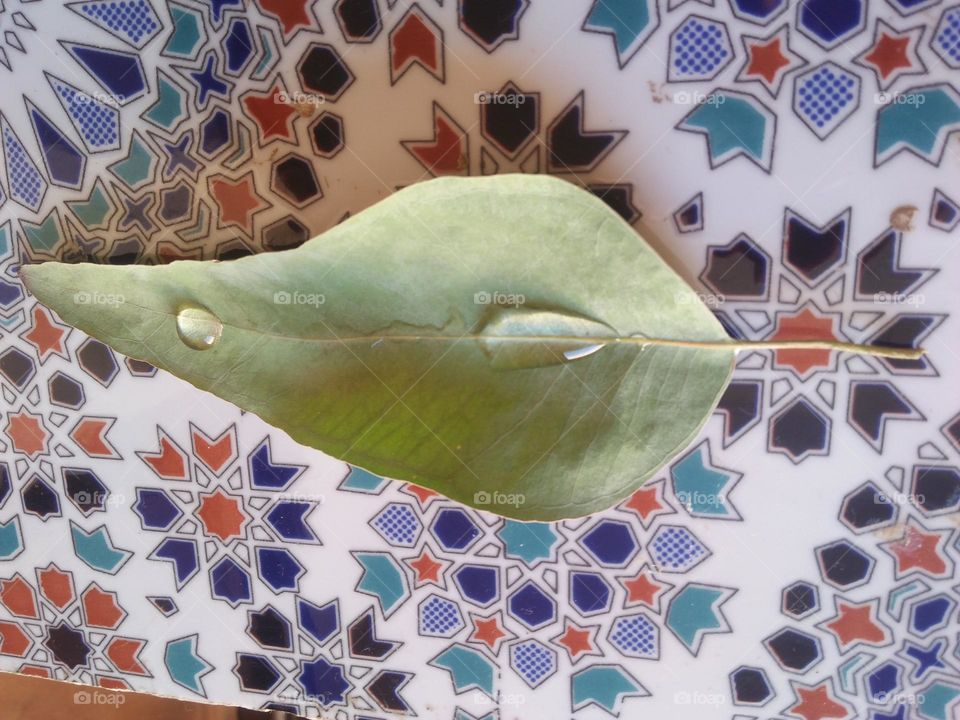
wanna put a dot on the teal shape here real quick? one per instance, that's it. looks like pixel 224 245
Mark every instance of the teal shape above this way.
pixel 267 42
pixel 137 168
pixel 934 700
pixel 382 578
pixel 693 612
pixel 469 669
pixel 185 666
pixel 96 549
pixel 11 544
pixel 629 21
pixel 43 237
pixel 4 239
pixel 734 125
pixel 702 488
pixel 603 685
pixel 170 107
pixel 187 36
pixel 359 480
pixel 461 714
pixel 12 321
pixel 94 211
pixel 919 120
pixel 528 541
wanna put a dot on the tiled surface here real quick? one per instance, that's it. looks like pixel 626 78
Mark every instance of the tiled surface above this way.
pixel 797 162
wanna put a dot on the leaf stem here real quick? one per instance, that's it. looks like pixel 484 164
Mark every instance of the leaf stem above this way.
pixel 899 353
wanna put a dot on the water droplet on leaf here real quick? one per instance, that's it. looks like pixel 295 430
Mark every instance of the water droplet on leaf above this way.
pixel 199 329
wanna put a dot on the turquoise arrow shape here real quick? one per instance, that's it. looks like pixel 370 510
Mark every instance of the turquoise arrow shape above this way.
pixel 695 611
pixel 96 549
pixel 469 669
pixel 919 120
pixel 185 666
pixel 630 22
pixel 735 124
pixel 701 487
pixel 383 579
pixel 11 543
pixel 606 686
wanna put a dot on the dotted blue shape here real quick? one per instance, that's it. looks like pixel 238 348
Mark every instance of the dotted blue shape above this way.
pixel 611 542
pixel 397 523
pixel 155 509
pixel 831 22
pixel 323 682
pixel 230 582
pixel 533 661
pixel 183 554
pixel 120 73
pixel 699 50
pixel 635 636
pixel 133 21
pixel 532 606
pixel 279 569
pixel 238 45
pixel 883 682
pixel 97 124
pixel 946 38
pixel 480 584
pixel 454 529
pixel 288 519
pixel 528 541
pixel 760 12
pixel 64 162
pixel 824 97
pixel 320 622
pixel 590 594
pixel 27 186
pixel 930 615
pixel 676 549
pixel 440 617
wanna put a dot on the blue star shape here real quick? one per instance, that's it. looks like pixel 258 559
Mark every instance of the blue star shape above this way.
pixel 209 83
pixel 178 156
pixel 926 658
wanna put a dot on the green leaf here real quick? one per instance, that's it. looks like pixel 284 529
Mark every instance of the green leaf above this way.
pixel 482 337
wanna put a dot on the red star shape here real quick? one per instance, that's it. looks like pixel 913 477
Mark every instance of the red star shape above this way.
pixel 645 502
pixel 766 60
pixel 46 335
pixel 488 631
pixel 644 589
pixel 816 703
pixel 237 200
pixel 27 433
pixel 855 623
pixel 423 495
pixel 918 550
pixel 576 640
pixel 274 116
pixel 221 515
pixel 803 325
pixel 889 54
pixel 427 569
